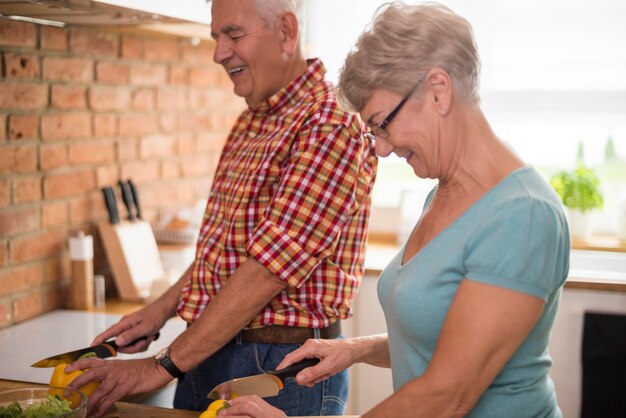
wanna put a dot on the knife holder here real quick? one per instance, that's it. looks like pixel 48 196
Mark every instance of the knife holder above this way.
pixel 133 256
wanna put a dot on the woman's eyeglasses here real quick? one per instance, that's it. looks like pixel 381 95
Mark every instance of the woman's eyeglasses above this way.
pixel 383 125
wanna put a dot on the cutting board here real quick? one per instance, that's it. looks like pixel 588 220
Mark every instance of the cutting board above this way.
pixel 133 256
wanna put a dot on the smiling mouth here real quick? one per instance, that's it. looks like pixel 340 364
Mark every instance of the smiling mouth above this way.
pixel 236 70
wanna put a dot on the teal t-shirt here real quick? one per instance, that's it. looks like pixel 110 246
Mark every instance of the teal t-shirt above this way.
pixel 516 237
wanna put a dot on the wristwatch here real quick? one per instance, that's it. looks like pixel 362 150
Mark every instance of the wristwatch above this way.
pixel 163 358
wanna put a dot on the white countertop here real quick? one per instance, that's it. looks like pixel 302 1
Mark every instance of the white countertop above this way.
pixel 57 332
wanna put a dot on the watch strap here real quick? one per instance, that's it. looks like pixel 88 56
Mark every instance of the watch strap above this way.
pixel 169 365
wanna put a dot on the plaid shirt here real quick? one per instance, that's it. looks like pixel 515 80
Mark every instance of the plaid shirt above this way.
pixel 293 190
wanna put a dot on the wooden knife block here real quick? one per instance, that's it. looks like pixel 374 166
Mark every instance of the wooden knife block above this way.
pixel 133 256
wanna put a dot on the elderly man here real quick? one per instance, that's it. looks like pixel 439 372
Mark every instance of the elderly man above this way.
pixel 280 252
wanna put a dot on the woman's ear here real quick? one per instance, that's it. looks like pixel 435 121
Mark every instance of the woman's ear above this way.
pixel 440 91
pixel 287 26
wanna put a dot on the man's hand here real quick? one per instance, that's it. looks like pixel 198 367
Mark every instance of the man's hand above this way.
pixel 143 323
pixel 119 378
pixel 251 406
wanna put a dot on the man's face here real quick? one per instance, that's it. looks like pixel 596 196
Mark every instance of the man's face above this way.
pixel 251 52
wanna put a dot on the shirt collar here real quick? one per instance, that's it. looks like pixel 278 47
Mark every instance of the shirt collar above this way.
pixel 296 89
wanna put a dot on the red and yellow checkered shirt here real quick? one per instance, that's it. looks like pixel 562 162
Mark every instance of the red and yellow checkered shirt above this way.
pixel 293 190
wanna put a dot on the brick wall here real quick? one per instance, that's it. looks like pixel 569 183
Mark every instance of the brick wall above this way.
pixel 81 108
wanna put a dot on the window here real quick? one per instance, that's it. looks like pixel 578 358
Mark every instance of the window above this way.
pixel 553 76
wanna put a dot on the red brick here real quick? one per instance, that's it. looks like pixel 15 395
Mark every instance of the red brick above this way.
pixel 14 33
pixel 3 253
pixel 56 269
pixel 195 166
pixel 148 74
pixel 53 156
pixel 23 95
pixel 3 128
pixel 23 126
pixel 202 53
pixel 186 143
pixel 54 214
pixel 109 98
pixel 132 47
pixel 33 247
pixel 144 99
pixel 93 42
pixel 19 220
pixel 155 146
pixel 4 193
pixel 56 297
pixel 127 149
pixel 170 170
pixel 53 39
pixel 212 142
pixel 5 315
pixel 88 209
pixel 18 159
pixel 168 122
pixel 161 50
pixel 132 125
pixel 91 153
pixel 204 77
pixel 20 278
pixel 202 98
pixel 23 66
pixel 112 72
pixel 28 306
pixel 104 125
pixel 107 175
pixel 172 98
pixel 68 97
pixel 65 126
pixel 179 75
pixel 68 184
pixel 26 189
pixel 68 69
pixel 141 171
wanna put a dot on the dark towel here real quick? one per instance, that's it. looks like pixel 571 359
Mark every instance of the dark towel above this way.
pixel 604 366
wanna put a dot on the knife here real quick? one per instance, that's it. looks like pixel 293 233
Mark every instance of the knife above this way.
pixel 127 198
pixel 263 385
pixel 106 349
pixel 111 204
pixel 133 192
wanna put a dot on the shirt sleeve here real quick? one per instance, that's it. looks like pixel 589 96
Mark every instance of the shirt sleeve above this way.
pixel 523 248
pixel 316 196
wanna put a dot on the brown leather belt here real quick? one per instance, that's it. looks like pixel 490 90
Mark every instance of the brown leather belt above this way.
pixel 281 334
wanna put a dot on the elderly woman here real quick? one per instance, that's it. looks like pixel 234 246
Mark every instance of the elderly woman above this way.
pixel 471 297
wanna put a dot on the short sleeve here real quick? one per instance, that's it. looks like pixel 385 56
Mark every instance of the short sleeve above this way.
pixel 523 246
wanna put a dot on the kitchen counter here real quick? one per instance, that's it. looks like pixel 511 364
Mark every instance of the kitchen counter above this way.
pixel 127 409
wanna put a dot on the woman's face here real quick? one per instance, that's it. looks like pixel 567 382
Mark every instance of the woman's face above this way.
pixel 411 134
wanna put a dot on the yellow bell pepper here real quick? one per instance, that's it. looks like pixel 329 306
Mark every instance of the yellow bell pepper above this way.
pixel 214 408
pixel 60 379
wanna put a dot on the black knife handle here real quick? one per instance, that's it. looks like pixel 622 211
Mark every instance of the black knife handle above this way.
pixel 115 347
pixel 111 204
pixel 133 191
pixel 294 369
pixel 127 198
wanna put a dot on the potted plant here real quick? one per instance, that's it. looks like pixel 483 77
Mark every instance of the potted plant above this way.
pixel 579 191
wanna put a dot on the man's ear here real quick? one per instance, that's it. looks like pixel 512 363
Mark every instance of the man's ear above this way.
pixel 287 26
pixel 440 91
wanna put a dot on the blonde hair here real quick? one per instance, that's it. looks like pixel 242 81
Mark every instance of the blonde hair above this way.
pixel 402 44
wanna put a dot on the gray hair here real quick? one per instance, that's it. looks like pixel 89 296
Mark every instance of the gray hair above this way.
pixel 270 10
pixel 401 45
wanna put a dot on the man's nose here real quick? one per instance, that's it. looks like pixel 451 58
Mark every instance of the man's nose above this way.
pixel 383 148
pixel 223 51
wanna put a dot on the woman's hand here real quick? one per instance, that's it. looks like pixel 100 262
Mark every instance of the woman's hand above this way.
pixel 251 406
pixel 119 378
pixel 335 355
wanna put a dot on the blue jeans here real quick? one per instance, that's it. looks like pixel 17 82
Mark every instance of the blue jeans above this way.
pixel 238 359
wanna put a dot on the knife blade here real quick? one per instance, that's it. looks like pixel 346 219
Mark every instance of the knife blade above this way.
pixel 135 194
pixel 263 385
pixel 106 349
pixel 127 198
pixel 111 204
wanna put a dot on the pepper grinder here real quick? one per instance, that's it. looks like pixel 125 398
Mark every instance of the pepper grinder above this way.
pixel 81 256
